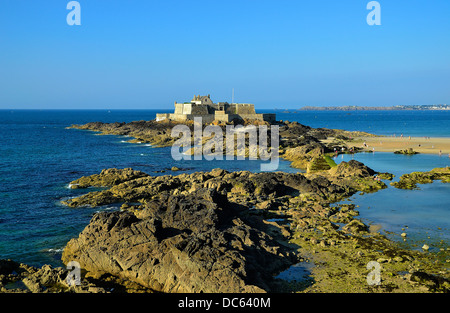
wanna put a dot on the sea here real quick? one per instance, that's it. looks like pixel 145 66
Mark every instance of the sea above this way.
pixel 40 156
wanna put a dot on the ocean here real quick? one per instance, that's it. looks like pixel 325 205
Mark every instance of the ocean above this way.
pixel 39 156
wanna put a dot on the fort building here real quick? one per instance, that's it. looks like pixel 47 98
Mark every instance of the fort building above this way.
pixel 202 106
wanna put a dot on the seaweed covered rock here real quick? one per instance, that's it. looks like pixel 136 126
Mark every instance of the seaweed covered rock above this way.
pixel 355 226
pixel 351 168
pixel 410 181
pixel 355 175
pixel 301 156
pixel 317 164
pixel 409 151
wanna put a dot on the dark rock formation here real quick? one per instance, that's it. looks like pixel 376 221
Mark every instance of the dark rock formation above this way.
pixel 195 232
pixel 192 243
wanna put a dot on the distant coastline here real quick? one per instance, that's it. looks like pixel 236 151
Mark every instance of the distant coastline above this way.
pixel 439 107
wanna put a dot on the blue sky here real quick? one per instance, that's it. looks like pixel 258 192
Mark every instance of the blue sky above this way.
pixel 275 54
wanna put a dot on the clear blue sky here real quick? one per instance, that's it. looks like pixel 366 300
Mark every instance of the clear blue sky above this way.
pixel 275 54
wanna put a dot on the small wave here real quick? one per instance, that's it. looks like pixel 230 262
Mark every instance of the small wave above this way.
pixel 51 250
pixel 107 209
pixel 69 186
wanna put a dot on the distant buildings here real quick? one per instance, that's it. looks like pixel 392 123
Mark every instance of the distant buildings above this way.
pixel 202 106
pixel 380 108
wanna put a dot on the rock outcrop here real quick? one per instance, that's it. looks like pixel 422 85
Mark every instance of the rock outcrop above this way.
pixel 353 175
pixel 21 278
pixel 199 232
pixel 193 243
pixel 409 151
pixel 222 231
pixel 107 178
pixel 410 181
pixel 243 188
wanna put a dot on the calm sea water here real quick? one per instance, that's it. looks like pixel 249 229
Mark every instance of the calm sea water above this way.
pixel 423 214
pixel 408 123
pixel 39 157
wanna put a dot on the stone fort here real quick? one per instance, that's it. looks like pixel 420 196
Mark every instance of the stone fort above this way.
pixel 202 106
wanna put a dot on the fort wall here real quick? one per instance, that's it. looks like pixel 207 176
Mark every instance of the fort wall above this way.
pixel 202 106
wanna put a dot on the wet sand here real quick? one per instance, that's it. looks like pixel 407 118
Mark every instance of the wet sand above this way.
pixel 431 145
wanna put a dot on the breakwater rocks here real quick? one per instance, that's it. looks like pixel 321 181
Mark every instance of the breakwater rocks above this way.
pixel 410 181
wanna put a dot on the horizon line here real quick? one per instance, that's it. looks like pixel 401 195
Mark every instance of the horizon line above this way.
pixel 274 109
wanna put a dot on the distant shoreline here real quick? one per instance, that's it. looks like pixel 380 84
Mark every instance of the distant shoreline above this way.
pixel 426 145
pixel 433 107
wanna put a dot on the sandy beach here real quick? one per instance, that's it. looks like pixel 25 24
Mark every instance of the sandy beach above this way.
pixel 431 145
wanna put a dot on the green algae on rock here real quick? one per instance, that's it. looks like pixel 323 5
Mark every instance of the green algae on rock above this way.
pixel 410 181
pixel 409 151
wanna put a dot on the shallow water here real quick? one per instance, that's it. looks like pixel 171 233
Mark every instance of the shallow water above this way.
pixel 423 214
